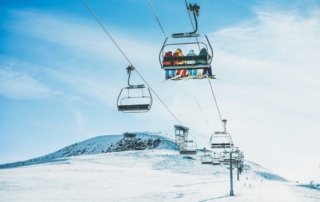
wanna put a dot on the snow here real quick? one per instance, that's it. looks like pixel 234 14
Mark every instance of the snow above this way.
pixel 157 173
pixel 149 175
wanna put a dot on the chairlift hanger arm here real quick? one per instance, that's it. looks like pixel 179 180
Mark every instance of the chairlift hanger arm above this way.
pixel 129 69
pixel 195 9
pixel 224 121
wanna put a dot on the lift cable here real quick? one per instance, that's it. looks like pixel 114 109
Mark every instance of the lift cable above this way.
pixel 106 31
pixel 154 12
pixel 216 103
pixel 130 62
pixel 201 110
pixel 201 136
pixel 208 79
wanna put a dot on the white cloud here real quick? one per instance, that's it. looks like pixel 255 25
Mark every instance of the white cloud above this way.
pixel 83 37
pixel 21 86
pixel 274 57
pixel 24 80
pixel 269 71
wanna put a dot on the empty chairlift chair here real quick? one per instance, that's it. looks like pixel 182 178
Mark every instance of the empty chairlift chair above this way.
pixel 134 98
pixel 206 158
pixel 237 157
pixel 221 140
pixel 189 148
pixel 217 159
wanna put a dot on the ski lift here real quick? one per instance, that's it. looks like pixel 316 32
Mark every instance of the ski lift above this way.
pixel 241 155
pixel 217 159
pixel 189 147
pixel 221 140
pixel 234 160
pixel 206 158
pixel 188 41
pixel 237 157
pixel 130 100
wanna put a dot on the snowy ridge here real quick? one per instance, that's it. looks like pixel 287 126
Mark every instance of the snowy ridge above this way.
pixel 102 144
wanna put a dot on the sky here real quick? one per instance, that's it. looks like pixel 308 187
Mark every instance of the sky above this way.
pixel 60 76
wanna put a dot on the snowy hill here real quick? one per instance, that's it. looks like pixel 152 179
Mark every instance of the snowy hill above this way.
pixel 102 144
pixel 148 175
pixel 147 168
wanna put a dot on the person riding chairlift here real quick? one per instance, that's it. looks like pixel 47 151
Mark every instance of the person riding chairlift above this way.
pixel 206 71
pixel 168 63
pixel 179 53
pixel 191 62
pixel 203 52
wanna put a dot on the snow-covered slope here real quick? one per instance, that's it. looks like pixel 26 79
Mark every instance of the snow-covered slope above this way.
pixel 103 144
pixel 146 169
pixel 148 175
pixel 259 172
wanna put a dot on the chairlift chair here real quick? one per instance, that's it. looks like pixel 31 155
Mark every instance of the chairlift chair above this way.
pixel 132 98
pixel 189 147
pixel 221 140
pixel 222 157
pixel 235 158
pixel 228 160
pixel 206 159
pixel 217 159
pixel 192 41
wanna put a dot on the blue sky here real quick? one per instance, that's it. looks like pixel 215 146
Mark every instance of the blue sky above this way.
pixel 60 75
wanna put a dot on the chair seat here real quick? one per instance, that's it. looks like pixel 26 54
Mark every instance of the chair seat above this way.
pixel 186 66
pixel 134 107
pixel 188 152
pixel 221 145
pixel 206 162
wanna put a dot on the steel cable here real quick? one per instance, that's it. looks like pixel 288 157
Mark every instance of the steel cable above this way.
pixel 216 103
pixel 154 12
pixel 130 62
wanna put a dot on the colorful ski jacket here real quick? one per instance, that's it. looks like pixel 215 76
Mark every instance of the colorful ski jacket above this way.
pixel 203 52
pixel 178 53
pixel 191 62
pixel 167 63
